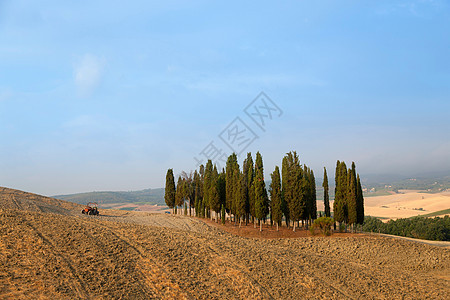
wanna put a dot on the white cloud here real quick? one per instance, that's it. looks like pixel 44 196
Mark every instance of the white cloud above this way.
pixel 88 73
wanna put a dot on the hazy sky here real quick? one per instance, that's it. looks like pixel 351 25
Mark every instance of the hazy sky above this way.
pixel 107 95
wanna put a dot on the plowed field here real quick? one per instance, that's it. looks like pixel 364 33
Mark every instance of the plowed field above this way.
pixel 126 255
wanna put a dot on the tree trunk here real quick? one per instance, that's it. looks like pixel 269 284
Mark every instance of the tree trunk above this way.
pixel 294 226
pixel 277 226
pixel 240 222
pixel 260 226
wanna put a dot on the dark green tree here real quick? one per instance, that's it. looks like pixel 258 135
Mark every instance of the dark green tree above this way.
pixel 221 182
pixel 352 195
pixel 207 182
pixel 170 191
pixel 199 208
pixel 340 205
pixel 285 191
pixel 180 193
pixel 360 202
pixel 239 195
pixel 305 195
pixel 313 194
pixel 223 214
pixel 326 196
pixel 275 197
pixel 248 174
pixel 261 199
pixel 189 189
pixel 214 200
pixel 293 187
pixel 197 188
pixel 231 165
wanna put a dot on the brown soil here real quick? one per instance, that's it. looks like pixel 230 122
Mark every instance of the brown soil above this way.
pixel 131 255
pixel 268 231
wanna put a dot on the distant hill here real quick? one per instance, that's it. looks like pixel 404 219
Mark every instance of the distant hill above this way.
pixel 149 196
pixel 15 199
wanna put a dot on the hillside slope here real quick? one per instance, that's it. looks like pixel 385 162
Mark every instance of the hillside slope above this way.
pixel 128 255
pixel 151 196
pixel 15 199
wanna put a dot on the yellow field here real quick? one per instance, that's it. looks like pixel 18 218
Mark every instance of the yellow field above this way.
pixel 405 204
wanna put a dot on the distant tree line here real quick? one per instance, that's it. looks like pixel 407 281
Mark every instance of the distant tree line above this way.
pixel 242 193
pixel 437 229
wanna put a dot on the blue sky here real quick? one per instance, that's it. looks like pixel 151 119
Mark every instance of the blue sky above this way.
pixel 107 95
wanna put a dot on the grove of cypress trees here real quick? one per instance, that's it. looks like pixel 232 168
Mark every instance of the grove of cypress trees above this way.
pixel 275 197
pixel 326 196
pixel 293 194
pixel 169 194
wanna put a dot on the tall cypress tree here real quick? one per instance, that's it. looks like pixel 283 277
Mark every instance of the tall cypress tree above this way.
pixel 189 189
pixel 201 201
pixel 275 197
pixel 198 196
pixel 239 195
pixel 293 189
pixel 169 193
pixel 248 174
pixel 307 197
pixel 339 205
pixel 313 194
pixel 326 196
pixel 261 208
pixel 214 200
pixel 351 195
pixel 360 202
pixel 344 190
pixel 231 165
pixel 180 193
pixel 285 194
pixel 221 181
pixel 207 181
pixel 192 191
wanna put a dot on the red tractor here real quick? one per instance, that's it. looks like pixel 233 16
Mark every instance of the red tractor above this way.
pixel 90 209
